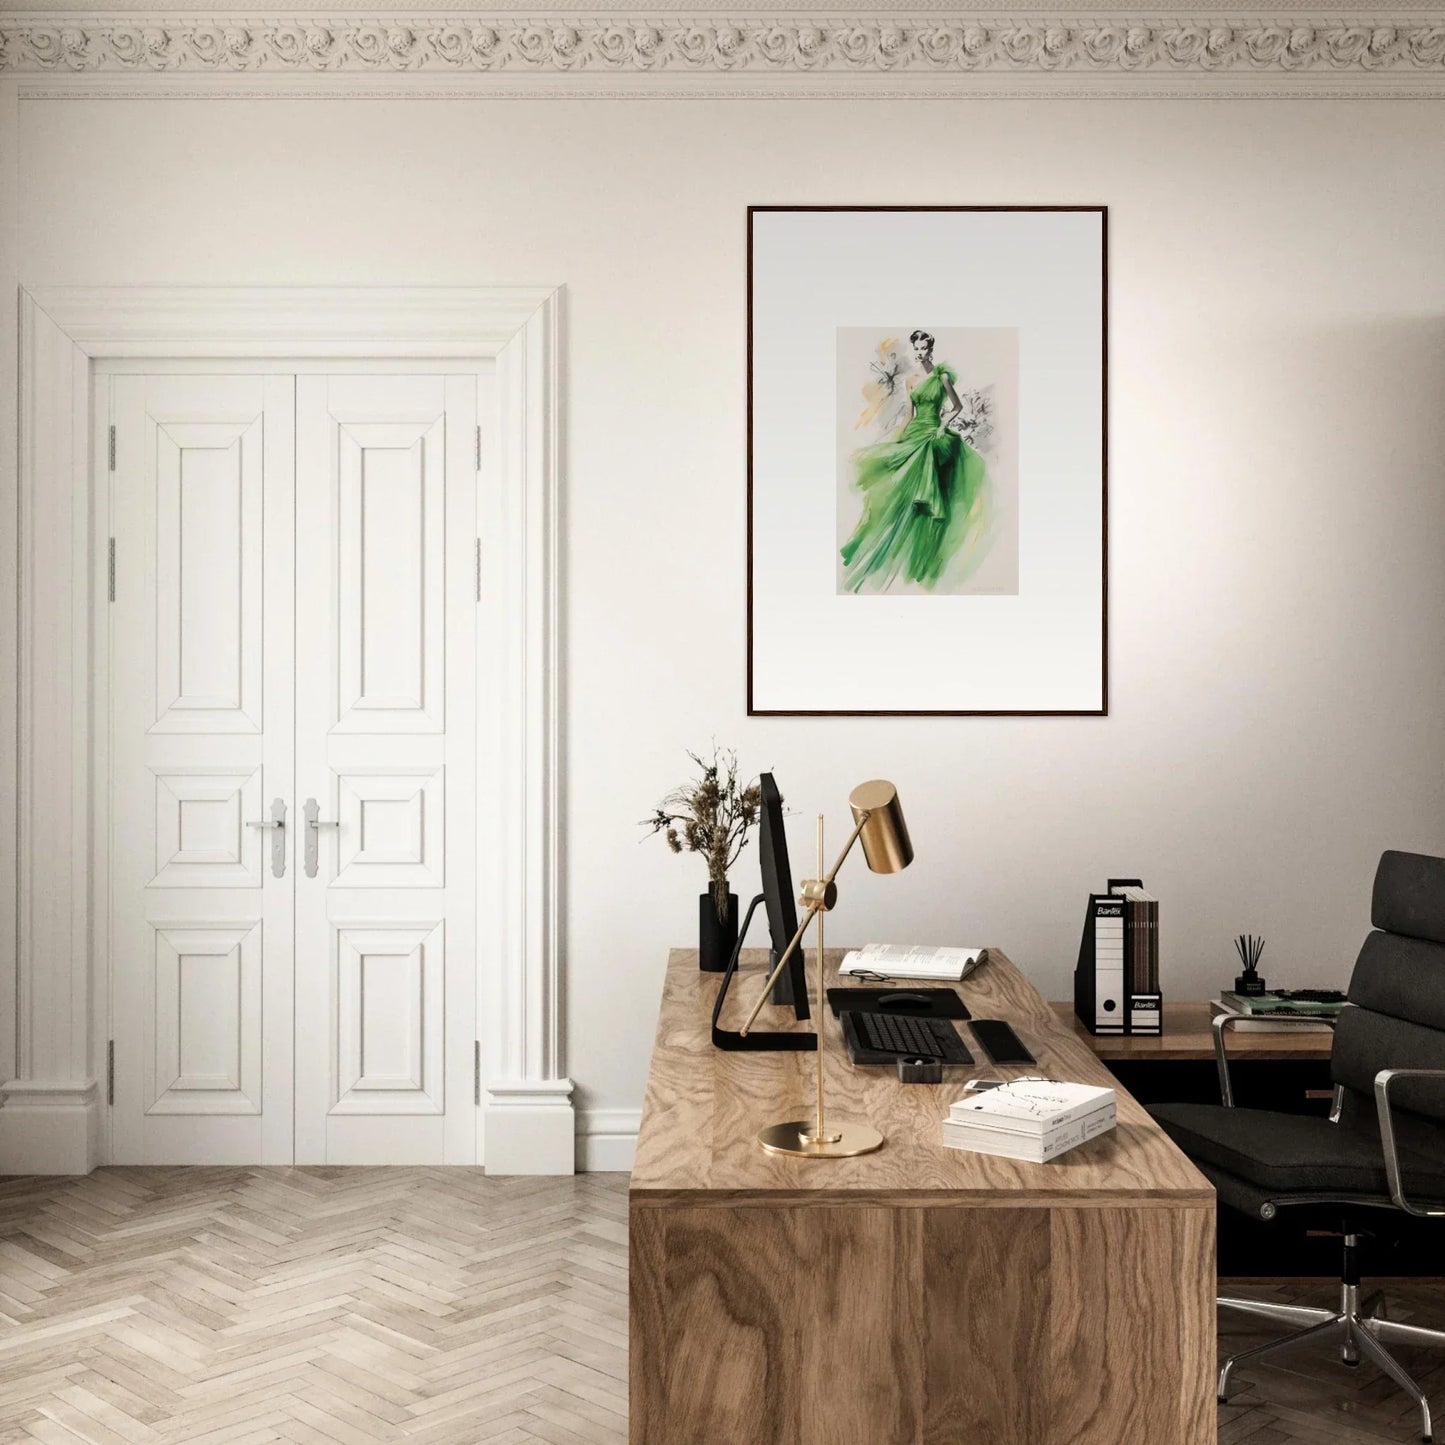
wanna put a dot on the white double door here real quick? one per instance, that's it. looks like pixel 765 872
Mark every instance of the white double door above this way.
pixel 292 767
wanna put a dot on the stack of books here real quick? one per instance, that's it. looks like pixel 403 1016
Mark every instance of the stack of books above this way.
pixel 1259 1012
pixel 1031 1119
pixel 1141 940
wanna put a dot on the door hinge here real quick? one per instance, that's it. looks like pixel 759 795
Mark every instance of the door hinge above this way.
pixel 110 569
pixel 479 569
pixel 479 448
pixel 110 444
pixel 476 1071
pixel 110 1072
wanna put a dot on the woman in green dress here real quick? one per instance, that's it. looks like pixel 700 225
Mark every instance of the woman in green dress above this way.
pixel 925 492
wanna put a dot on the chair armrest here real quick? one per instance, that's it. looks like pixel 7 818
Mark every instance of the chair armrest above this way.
pixel 1383 1080
pixel 1223 1023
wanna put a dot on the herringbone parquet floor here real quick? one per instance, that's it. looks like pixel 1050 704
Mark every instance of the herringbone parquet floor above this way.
pixel 1307 1394
pixel 349 1306
pixel 324 1306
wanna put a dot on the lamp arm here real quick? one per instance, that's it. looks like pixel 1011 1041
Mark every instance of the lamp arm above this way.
pixel 848 847
pixel 813 910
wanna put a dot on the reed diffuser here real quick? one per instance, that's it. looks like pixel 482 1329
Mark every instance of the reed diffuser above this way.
pixel 1249 947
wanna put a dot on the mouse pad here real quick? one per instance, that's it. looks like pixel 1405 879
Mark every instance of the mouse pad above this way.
pixel 936 1003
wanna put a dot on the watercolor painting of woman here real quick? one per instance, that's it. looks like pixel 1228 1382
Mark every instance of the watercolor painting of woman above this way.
pixel 925 491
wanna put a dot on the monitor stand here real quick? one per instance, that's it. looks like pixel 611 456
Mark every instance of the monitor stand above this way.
pixel 759 1040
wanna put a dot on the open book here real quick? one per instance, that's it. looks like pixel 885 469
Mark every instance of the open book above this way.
pixel 900 960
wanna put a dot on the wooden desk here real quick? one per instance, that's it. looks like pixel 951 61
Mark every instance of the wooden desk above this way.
pixel 918 1294
pixel 1188 1037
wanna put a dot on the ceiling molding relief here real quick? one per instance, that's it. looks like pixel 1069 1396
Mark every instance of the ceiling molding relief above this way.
pixel 887 53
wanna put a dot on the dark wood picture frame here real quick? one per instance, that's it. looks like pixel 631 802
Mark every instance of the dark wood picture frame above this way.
pixel 1103 709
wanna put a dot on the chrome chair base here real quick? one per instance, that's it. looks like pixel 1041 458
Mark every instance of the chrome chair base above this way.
pixel 1360 1326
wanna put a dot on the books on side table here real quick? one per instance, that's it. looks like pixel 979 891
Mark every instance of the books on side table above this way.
pixel 1262 1013
pixel 1030 1119
pixel 901 960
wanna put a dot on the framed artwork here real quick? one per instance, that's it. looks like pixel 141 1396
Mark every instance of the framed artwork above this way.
pixel 927 460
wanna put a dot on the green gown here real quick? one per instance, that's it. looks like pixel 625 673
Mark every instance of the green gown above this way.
pixel 924 500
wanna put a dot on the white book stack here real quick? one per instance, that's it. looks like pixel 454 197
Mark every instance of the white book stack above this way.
pixel 1031 1119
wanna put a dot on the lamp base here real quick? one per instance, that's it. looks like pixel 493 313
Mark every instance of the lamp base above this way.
pixel 844 1141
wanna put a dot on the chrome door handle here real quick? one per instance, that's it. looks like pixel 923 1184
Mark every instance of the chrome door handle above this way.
pixel 314 825
pixel 276 822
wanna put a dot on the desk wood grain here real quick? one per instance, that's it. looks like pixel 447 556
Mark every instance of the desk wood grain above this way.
pixel 919 1295
pixel 703 1107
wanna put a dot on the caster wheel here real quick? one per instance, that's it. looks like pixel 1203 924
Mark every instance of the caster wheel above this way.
pixel 1353 1364
pixel 1221 1399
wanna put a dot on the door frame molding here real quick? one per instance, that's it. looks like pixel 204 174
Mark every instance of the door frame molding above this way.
pixel 52 1110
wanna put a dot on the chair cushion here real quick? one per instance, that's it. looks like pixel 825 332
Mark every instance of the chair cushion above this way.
pixel 1409 896
pixel 1403 978
pixel 1366 1042
pixel 1298 1153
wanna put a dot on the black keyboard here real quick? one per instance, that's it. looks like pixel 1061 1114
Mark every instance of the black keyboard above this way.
pixel 902 1037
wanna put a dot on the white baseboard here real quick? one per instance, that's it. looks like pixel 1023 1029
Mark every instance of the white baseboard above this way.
pixel 49 1128
pixel 56 1130
pixel 607 1139
pixel 531 1128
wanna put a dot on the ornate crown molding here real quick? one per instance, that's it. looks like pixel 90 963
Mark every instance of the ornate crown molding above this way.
pixel 1298 54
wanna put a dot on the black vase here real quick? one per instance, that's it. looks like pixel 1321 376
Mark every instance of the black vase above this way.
pixel 716 937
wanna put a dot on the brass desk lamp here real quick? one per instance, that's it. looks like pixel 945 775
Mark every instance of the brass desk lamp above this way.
pixel 878 822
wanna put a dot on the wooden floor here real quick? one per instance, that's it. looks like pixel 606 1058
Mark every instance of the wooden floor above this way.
pixel 342 1307
pixel 315 1305
pixel 1307 1394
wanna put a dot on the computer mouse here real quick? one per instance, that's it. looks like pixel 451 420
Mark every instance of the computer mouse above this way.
pixel 904 1000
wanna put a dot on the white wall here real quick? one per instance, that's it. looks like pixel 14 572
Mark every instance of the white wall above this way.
pixel 1277 489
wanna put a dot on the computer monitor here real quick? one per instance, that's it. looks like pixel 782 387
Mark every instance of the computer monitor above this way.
pixel 791 988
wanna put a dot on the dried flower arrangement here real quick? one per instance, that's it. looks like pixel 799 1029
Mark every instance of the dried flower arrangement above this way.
pixel 712 816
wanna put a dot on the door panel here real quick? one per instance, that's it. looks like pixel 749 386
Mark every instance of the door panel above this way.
pixel 386 517
pixel 392 829
pixel 202 662
pixel 391 576
pixel 201 835
pixel 209 507
pixel 389 994
pixel 207 1007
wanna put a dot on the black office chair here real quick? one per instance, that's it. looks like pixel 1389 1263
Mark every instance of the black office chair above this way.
pixel 1381 1151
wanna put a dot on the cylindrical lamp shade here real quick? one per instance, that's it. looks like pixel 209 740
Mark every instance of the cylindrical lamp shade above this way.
pixel 885 840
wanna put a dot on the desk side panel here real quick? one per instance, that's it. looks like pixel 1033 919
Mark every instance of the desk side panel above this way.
pixel 1132 1327
pixel 647 1313
pixel 762 1326
pixel 986 1360
pixel 922 1326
